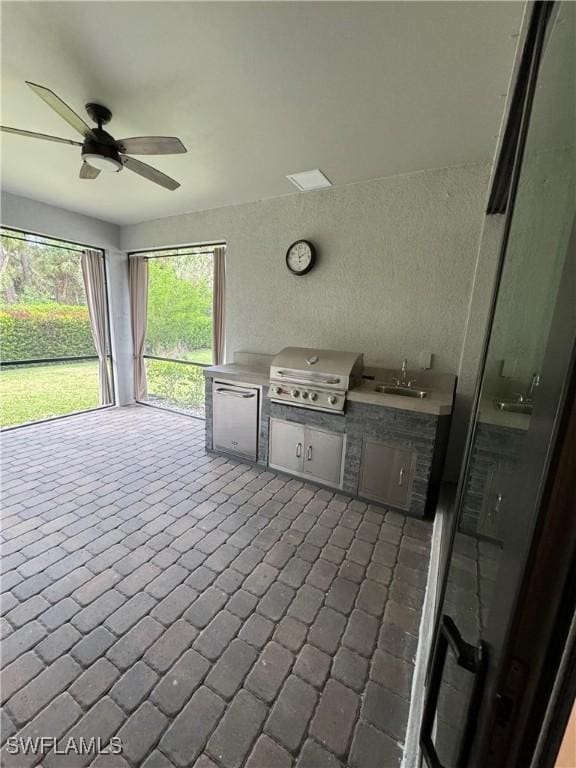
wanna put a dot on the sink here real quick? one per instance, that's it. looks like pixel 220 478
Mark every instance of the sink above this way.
pixel 392 389
pixel 513 406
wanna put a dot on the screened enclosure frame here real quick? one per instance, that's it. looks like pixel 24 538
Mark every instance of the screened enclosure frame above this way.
pixel 79 248
pixel 205 248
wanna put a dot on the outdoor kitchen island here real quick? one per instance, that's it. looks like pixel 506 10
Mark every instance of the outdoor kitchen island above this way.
pixel 387 449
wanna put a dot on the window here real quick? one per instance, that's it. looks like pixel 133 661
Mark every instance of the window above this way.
pixel 179 327
pixel 49 362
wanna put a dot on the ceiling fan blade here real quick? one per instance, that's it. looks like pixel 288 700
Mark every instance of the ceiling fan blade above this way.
pixel 34 135
pixel 88 172
pixel 151 145
pixel 149 173
pixel 59 106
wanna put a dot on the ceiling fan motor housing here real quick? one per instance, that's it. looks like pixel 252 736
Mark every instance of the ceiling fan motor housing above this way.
pixel 101 152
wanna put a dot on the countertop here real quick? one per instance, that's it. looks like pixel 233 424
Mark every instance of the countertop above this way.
pixel 241 373
pixel 489 414
pixel 438 402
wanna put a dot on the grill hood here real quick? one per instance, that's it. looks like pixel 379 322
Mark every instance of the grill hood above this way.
pixel 301 375
pixel 319 365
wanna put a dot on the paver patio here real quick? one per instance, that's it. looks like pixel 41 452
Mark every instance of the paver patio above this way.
pixel 206 612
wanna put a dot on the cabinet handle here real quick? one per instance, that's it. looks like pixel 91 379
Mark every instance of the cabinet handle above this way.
pixel 309 453
pixel 496 508
pixel 299 450
pixel 235 393
pixel 401 476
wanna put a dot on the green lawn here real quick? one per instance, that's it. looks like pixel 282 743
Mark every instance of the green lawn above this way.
pixel 41 391
pixel 201 355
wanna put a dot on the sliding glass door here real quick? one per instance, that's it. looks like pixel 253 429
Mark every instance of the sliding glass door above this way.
pixel 49 361
pixel 179 327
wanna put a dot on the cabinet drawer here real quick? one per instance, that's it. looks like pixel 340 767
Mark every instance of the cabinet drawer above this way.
pixel 387 473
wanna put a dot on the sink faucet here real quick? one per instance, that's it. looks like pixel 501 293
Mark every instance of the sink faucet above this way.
pixel 404 381
pixel 528 395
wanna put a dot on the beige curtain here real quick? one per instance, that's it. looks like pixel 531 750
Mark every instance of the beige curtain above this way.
pixel 218 306
pixel 138 276
pixel 95 287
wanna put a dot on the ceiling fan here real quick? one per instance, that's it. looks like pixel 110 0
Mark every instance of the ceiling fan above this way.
pixel 100 150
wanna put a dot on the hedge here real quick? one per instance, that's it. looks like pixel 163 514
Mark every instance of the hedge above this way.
pixel 29 331
pixel 181 385
pixel 176 334
pixel 44 330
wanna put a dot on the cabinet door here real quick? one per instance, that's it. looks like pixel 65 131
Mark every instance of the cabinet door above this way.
pixel 235 419
pixel 286 445
pixel 323 456
pixel 386 473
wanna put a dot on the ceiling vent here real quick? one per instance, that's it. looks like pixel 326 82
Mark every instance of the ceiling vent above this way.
pixel 308 180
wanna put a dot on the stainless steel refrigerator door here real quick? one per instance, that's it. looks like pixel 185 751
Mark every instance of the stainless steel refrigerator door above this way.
pixel 235 419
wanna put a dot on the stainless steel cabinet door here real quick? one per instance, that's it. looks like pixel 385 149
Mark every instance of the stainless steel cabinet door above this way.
pixel 323 455
pixel 386 473
pixel 235 419
pixel 286 445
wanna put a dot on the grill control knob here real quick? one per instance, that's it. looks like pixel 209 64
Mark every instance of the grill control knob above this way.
pixel 304 395
pixel 277 390
pixel 332 399
pixel 313 396
pixel 295 393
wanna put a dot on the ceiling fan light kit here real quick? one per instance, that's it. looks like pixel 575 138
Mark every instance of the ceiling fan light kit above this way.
pixel 101 151
pixel 101 156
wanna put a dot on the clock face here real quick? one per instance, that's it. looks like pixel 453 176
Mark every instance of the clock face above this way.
pixel 300 257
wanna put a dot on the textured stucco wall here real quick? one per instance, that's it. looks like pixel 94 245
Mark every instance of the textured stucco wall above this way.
pixel 536 253
pixel 397 259
pixel 473 340
pixel 51 221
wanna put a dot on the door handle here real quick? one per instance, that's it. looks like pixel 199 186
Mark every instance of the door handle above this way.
pixel 472 659
pixel 299 450
pixel 309 453
pixel 401 476
pixel 234 393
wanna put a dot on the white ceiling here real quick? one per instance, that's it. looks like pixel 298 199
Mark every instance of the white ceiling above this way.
pixel 255 91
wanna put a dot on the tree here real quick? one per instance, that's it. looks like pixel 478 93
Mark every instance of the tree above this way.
pixel 38 272
pixel 179 305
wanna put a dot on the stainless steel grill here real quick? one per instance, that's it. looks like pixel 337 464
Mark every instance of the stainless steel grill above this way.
pixel 314 378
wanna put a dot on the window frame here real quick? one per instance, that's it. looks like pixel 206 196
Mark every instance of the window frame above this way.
pixel 81 247
pixel 166 252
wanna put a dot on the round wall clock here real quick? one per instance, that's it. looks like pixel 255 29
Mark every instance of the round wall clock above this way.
pixel 300 257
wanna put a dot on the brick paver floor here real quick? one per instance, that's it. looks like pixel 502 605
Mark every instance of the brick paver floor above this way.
pixel 204 611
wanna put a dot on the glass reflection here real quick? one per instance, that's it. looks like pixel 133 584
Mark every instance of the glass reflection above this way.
pixel 534 259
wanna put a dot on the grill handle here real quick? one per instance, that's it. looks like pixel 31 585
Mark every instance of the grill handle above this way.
pixel 308 379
